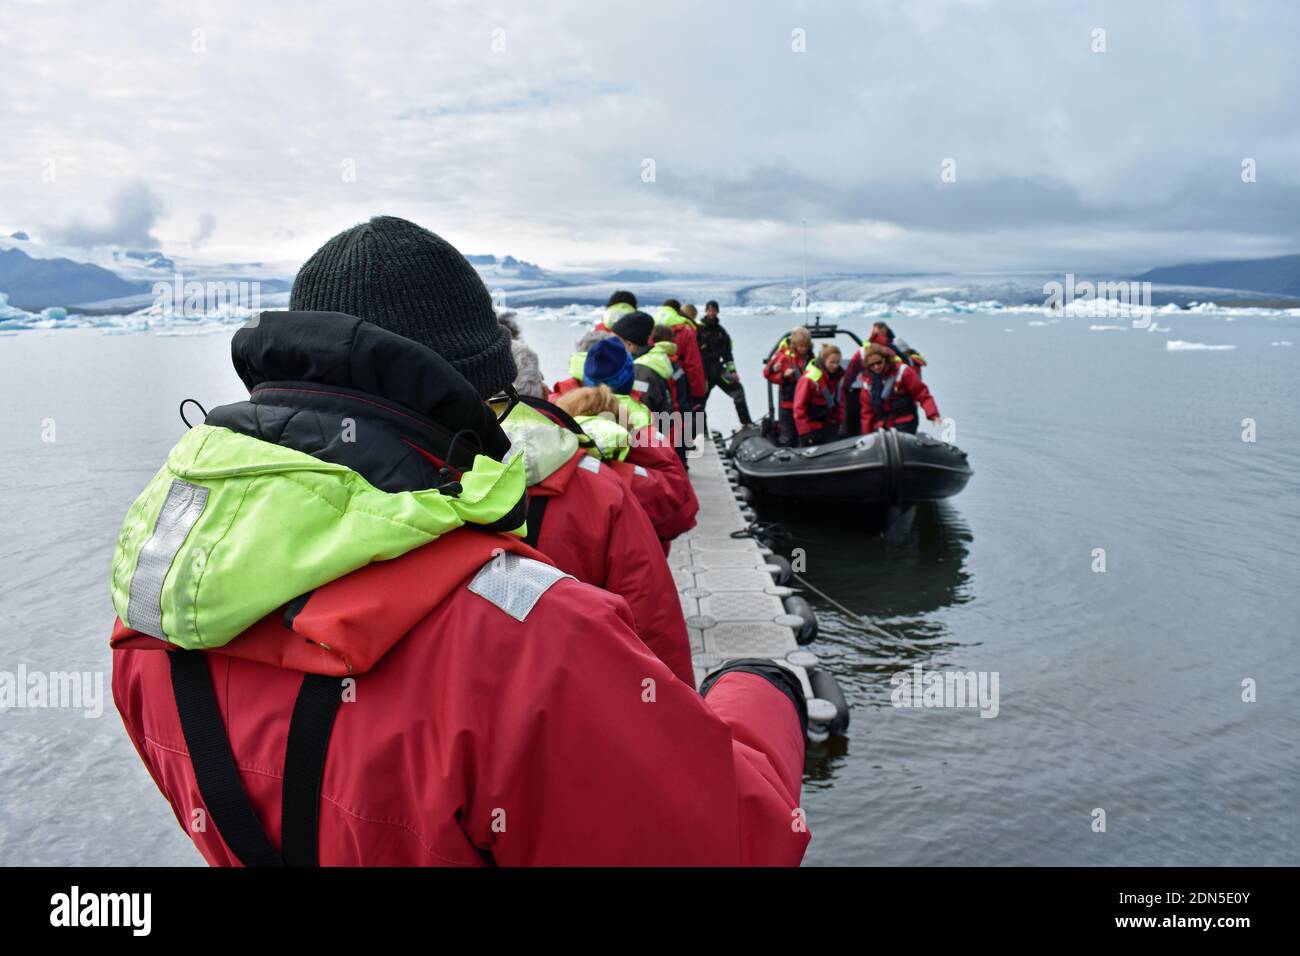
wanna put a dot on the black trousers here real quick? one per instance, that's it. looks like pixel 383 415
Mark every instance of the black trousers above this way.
pixel 852 411
pixel 786 433
pixel 821 436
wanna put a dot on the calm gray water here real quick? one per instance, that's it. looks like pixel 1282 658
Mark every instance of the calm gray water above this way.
pixel 1120 690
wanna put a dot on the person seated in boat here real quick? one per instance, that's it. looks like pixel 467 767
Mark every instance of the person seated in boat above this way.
pixel 783 370
pixel 818 402
pixel 891 392
pixel 882 334
pixel 648 465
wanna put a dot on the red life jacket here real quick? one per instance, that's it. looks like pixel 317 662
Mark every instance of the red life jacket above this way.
pixel 817 400
pixel 897 407
pixel 786 357
pixel 443 729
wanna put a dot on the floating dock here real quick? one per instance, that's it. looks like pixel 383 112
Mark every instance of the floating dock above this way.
pixel 730 597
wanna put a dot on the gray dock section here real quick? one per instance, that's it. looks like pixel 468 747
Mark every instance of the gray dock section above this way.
pixel 732 604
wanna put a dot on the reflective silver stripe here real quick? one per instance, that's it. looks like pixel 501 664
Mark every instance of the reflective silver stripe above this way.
pixel 640 386
pixel 590 464
pixel 184 503
pixel 514 584
pixel 640 470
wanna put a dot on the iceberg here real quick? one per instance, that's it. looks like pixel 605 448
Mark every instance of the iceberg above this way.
pixel 1178 345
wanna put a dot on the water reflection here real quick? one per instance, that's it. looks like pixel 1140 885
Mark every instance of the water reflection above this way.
pixel 901 580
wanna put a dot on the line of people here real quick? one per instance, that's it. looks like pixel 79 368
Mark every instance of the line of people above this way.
pixel 389 611
pixel 824 398
pixel 671 362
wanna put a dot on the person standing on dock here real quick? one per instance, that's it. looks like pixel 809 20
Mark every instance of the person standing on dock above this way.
pixel 651 383
pixel 818 405
pixel 334 647
pixel 783 369
pixel 719 362
pixel 649 467
pixel 891 392
pixel 688 349
pixel 620 303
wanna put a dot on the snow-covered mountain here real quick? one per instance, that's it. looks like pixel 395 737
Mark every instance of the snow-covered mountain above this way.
pixel 36 275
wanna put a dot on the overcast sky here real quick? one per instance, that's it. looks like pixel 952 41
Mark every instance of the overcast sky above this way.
pixel 235 143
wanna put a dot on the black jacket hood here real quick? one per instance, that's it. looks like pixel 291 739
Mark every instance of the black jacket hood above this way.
pixel 347 391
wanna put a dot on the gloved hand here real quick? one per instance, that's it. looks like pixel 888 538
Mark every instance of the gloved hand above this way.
pixel 729 373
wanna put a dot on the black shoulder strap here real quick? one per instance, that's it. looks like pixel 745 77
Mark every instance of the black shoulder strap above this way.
pixel 214 764
pixel 218 777
pixel 304 767
pixel 536 511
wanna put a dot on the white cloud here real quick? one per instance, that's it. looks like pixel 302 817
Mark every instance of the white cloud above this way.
pixel 1065 158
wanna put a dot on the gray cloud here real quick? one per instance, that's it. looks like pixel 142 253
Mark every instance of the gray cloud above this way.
pixel 1066 158
pixel 131 218
pixel 207 223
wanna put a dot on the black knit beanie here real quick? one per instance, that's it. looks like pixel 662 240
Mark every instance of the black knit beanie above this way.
pixel 636 327
pixel 405 279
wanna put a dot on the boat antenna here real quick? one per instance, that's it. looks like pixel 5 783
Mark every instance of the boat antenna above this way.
pixel 805 270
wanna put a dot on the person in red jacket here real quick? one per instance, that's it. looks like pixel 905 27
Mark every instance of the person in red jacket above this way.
pixel 688 350
pixel 818 404
pixel 891 392
pixel 783 370
pixel 334 648
pixel 882 334
pixel 619 303
pixel 583 517
pixel 645 460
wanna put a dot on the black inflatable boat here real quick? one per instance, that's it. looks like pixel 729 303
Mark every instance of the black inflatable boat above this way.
pixel 890 468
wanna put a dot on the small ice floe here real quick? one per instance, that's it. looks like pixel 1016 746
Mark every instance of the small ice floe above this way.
pixel 1178 345
pixel 1284 344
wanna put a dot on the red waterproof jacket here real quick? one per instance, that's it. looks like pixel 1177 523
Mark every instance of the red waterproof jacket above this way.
pixel 785 358
pixel 474 737
pixel 688 353
pixel 654 474
pixel 901 392
pixel 594 529
pixel 818 400
pixel 496 711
